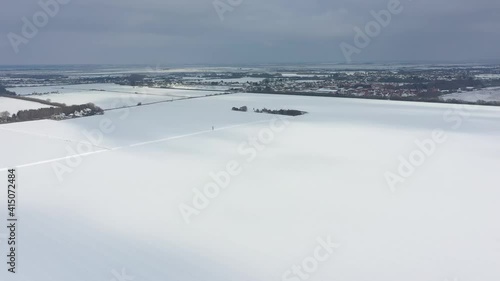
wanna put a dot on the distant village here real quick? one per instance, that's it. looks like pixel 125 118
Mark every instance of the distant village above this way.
pixel 426 84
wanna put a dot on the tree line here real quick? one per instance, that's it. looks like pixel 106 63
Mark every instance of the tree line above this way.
pixel 62 112
pixel 4 91
pixel 288 112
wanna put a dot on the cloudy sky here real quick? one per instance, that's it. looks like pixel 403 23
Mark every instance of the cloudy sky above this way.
pixel 253 31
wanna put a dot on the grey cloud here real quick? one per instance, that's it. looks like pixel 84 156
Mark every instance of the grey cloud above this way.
pixel 258 31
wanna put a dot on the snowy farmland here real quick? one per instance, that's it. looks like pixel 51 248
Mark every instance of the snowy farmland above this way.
pixel 115 209
pixel 242 80
pixel 107 96
pixel 14 105
pixel 202 87
pixel 487 94
pixel 488 76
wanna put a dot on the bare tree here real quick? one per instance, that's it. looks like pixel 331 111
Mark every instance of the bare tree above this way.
pixel 4 114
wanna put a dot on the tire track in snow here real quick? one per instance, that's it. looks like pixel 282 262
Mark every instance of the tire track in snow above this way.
pixel 139 144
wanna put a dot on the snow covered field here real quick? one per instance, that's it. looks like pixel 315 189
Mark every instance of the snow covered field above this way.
pixel 203 87
pixel 105 100
pixel 108 96
pixel 487 94
pixel 242 80
pixel 115 211
pixel 14 105
pixel 488 76
pixel 295 75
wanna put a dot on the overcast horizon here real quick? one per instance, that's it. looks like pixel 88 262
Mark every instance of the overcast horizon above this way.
pixel 199 32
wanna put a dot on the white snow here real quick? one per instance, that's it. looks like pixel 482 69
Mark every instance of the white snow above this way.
pixel 325 90
pixel 23 91
pixel 242 80
pixel 117 210
pixel 487 94
pixel 294 75
pixel 203 87
pixel 308 81
pixel 488 76
pixel 105 100
pixel 108 96
pixel 14 105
